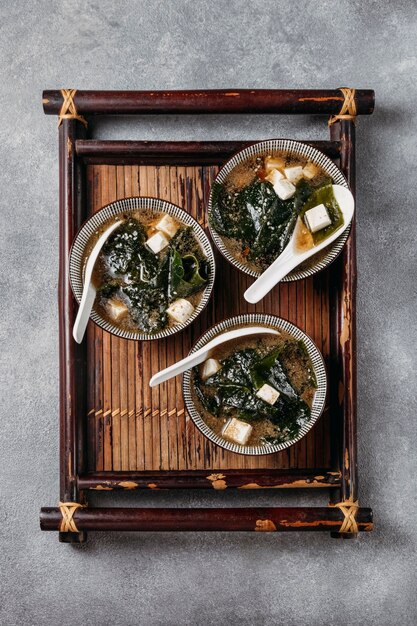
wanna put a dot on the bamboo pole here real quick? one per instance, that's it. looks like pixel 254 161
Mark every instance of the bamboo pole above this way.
pixel 245 479
pixel 282 519
pixel 72 357
pixel 294 101
pixel 173 152
pixel 346 327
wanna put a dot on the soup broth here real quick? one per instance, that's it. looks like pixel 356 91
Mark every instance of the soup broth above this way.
pixel 262 201
pixel 150 274
pixel 247 370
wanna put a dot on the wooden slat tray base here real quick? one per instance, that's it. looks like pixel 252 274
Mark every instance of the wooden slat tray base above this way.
pixel 133 428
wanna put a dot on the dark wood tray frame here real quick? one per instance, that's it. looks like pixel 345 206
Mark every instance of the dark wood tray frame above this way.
pixel 75 151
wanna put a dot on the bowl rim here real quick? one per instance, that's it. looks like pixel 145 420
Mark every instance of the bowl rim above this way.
pixel 319 401
pixel 147 203
pixel 304 150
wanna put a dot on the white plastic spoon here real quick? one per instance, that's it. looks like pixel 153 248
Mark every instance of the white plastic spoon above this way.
pixel 201 355
pixel 89 291
pixel 291 257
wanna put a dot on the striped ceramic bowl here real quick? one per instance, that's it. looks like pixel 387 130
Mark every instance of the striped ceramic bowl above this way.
pixel 259 319
pixel 295 148
pixel 126 207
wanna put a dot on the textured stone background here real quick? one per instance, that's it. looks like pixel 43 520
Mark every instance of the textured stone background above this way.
pixel 173 579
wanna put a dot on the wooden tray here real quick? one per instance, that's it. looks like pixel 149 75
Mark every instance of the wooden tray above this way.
pixel 117 433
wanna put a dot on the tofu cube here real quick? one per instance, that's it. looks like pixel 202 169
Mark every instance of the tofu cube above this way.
pixel 157 242
pixel 268 394
pixel 294 173
pixel 310 170
pixel 272 163
pixel 180 310
pixel 210 367
pixel 237 431
pixel 284 189
pixel 117 309
pixel 317 218
pixel 167 225
pixel 274 176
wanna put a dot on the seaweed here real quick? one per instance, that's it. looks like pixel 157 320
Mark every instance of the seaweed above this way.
pixel 257 198
pixel 130 233
pixel 256 217
pixel 147 306
pixel 125 253
pixel 259 220
pixel 241 398
pixel 107 290
pixel 269 371
pixel 235 370
pixel 210 401
pixel 276 230
pixel 287 414
pixel 250 407
pixel 144 266
pixel 241 215
pixel 181 276
pixel 185 242
pixel 297 352
pixel 169 274
pixel 191 279
pixel 149 282
pixel 293 416
pixel 235 385
pixel 224 216
pixel 191 267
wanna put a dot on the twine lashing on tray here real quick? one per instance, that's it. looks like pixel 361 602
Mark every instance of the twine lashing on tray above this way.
pixel 349 509
pixel 68 509
pixel 68 109
pixel 348 110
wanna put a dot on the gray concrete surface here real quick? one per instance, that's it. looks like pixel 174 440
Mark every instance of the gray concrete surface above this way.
pixel 204 579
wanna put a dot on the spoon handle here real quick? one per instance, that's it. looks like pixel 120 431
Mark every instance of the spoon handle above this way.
pixel 272 275
pixel 178 368
pixel 84 310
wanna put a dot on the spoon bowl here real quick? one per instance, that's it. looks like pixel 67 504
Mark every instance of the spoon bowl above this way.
pixel 292 256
